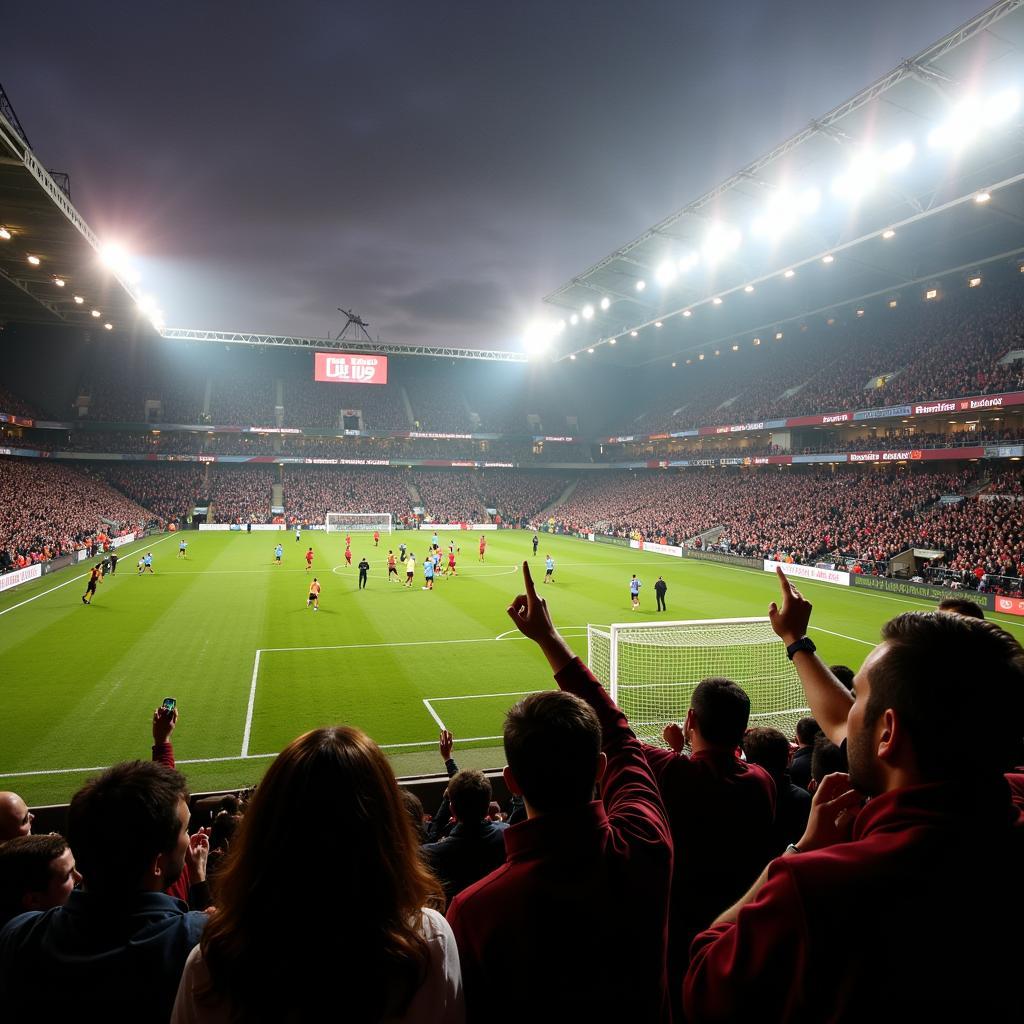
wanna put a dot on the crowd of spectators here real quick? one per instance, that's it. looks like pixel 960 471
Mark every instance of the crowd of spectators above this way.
pixel 449 497
pixel 519 496
pixel 15 405
pixel 49 509
pixel 169 490
pixel 242 494
pixel 309 403
pixel 310 492
pixel 246 398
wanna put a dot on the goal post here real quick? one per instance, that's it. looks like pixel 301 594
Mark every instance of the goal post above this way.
pixel 652 668
pixel 357 522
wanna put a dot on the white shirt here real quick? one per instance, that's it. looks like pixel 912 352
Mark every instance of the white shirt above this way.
pixel 439 1000
pixel 410 566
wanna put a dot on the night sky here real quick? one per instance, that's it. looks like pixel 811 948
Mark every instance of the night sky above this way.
pixel 437 166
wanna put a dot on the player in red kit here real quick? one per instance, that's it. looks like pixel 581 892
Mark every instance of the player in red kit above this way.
pixel 451 564
pixel 376 537
pixel 348 555
pixel 309 560
pixel 483 547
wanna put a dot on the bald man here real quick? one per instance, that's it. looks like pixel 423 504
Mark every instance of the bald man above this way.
pixel 15 817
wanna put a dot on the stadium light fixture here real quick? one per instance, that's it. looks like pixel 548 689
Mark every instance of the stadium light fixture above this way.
pixel 749 288
pixel 605 302
pixel 634 334
pixel 1001 106
pixel 657 323
pixel 778 335
pixel 688 262
pixel 590 351
pixel 673 366
pixel 784 211
pixel 689 362
pixel 573 356
pixel 109 327
pixel 5 234
pixel 757 341
pixel 718 351
pixel 34 260
pixel 96 313
pixel 588 312
pixel 59 282
pixel 983 197
pixel 828 259
pixel 611 341
pixel 666 272
pixel 974 282
pixel 860 312
pixel 735 348
pixel 717 300
pixel 79 300
pixel 720 241
pixel 641 285
pixel 574 319
pixel 790 273
pixel 893 303
pixel 932 293
pixel 888 233
pixel 701 356
pixel 687 312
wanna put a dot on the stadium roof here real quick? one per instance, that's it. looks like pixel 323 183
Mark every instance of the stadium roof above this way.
pixel 919 176
pixel 45 240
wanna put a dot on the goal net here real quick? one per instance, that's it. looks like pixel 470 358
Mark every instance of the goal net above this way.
pixel 357 522
pixel 652 668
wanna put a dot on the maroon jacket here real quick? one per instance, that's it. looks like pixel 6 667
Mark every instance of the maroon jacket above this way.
pixel 906 922
pixel 722 812
pixel 574 925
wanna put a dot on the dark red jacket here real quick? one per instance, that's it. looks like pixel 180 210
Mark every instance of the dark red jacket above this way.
pixel 907 922
pixel 574 926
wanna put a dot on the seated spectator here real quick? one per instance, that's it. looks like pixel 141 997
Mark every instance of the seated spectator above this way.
pixel 115 950
pixel 586 882
pixel 800 765
pixel 886 910
pixel 15 817
pixel 36 873
pixel 475 846
pixel 769 749
pixel 356 933
pixel 722 812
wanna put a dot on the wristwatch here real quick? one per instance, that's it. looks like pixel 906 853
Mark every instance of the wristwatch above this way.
pixel 805 643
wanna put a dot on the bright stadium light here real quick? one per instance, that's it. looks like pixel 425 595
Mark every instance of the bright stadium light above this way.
pixel 34 260
pixel 79 300
pixel 5 234
pixel 1001 106
pixel 657 323
pixel 666 272
pixel 590 351
pixel 59 282
pixel 789 273
pixel 573 356
pixel 109 327
pixel 641 285
pixel 719 242
pixel 784 211
pixel 828 258
pixel 888 233
pixel 717 300
pixel 983 197
pixel 634 334
pixel 896 158
pixel 574 319
pixel 688 262
pixel 687 312
pixel 96 313
pixel 588 312
pixel 749 288
pixel 605 302
pixel 538 335
pixel 611 341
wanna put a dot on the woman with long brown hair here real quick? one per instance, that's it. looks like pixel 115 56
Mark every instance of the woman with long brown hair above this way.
pixel 322 902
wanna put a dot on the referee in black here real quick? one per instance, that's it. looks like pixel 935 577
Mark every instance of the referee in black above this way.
pixel 364 568
pixel 659 589
pixel 113 563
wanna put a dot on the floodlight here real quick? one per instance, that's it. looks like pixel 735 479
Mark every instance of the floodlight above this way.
pixel 717 300
pixel 59 282
pixel 687 312
pixel 605 302
pixel 641 285
pixel 860 312
pixel 689 362
pixel 673 366
pixel 34 260
pixel 109 327
pixel 701 356
pixel 113 255
pixel 982 197
pixel 828 259
pixel 588 312
pixel 757 341
pixel 974 282
pixel 1000 107
pixel 590 351
pixel 718 351
pixel 960 127
pixel 888 233
pixel 749 288
pixel 688 262
pixel 5 234
pixel 897 158
pixel 574 319
pixel 573 356
pixel 720 241
pixel 96 313
pixel 634 334
pixel 778 335
pixel 789 273
pixel 611 341
pixel 79 300
pixel 932 293
pixel 893 303
pixel 666 272
pixel 735 348
pixel 657 323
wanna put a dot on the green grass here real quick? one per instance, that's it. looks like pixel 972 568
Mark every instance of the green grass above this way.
pixel 78 685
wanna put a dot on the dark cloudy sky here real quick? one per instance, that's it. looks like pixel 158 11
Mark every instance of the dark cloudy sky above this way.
pixel 438 166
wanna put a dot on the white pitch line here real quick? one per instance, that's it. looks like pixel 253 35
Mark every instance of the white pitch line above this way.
pixel 396 643
pixel 252 702
pixel 855 639
pixel 29 600
pixel 481 696
pixel 433 714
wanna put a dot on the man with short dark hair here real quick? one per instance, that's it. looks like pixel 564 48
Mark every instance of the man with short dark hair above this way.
pixel 962 606
pixel 769 749
pixel 115 951
pixel 896 909
pixel 800 765
pixel 579 910
pixel 15 817
pixel 36 873
pixel 721 809
pixel 474 846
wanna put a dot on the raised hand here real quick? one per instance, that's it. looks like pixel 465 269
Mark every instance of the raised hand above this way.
pixel 164 722
pixel 445 744
pixel 790 621
pixel 833 809
pixel 530 612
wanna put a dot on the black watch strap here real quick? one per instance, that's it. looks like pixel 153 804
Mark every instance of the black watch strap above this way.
pixel 805 643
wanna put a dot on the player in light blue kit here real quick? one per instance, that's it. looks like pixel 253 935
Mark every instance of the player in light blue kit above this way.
pixel 634 592
pixel 278 554
pixel 549 569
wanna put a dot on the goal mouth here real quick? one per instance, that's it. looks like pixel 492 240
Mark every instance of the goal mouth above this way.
pixel 358 522
pixel 652 668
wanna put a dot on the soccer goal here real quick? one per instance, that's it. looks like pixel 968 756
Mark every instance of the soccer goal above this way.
pixel 357 522
pixel 652 668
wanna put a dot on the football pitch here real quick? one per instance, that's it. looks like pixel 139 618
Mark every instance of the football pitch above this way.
pixel 227 633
